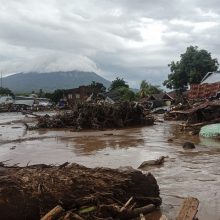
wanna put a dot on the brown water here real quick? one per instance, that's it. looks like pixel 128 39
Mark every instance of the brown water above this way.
pixel 185 173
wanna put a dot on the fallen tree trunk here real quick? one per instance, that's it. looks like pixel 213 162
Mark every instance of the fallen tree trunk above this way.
pixel 31 192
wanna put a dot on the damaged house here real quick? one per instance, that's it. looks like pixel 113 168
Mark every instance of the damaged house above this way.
pixel 157 100
pixel 77 95
pixel 208 88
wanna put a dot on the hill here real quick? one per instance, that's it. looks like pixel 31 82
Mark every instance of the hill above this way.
pixel 28 82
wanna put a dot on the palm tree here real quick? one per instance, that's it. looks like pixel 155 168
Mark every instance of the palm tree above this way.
pixel 148 89
pixel 143 89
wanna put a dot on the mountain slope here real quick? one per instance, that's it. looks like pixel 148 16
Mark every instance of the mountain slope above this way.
pixel 27 82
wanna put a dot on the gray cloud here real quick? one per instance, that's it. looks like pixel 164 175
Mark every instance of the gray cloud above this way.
pixel 131 39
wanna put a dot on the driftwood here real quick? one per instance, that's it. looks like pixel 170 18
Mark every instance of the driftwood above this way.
pixel 54 213
pixel 100 193
pixel 98 116
pixel 188 209
pixel 158 162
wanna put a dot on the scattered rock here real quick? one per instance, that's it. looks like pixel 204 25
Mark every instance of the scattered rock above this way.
pixel 12 148
pixel 188 145
pixel 170 140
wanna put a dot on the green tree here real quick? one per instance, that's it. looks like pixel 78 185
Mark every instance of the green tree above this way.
pixel 5 91
pixel 55 96
pixel 148 89
pixel 98 87
pixel 126 94
pixel 192 67
pixel 117 83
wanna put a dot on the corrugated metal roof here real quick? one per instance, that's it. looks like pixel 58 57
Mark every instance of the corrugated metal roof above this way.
pixel 212 78
pixel 24 102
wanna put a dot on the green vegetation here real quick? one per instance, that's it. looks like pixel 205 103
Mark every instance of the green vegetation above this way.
pixel 148 89
pixel 127 94
pixel 55 96
pixel 192 67
pixel 123 88
pixel 5 91
pixel 117 83
pixel 98 87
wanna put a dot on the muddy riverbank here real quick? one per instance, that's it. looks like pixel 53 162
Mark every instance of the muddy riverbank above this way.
pixel 185 173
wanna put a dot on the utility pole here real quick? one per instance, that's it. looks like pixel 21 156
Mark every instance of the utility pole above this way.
pixel 1 80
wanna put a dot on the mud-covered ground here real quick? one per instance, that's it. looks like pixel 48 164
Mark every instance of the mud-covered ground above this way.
pixel 185 173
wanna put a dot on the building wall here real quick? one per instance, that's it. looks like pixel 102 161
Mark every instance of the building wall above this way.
pixel 205 90
pixel 74 96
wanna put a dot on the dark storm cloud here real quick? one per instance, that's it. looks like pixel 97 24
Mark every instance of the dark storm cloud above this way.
pixel 131 39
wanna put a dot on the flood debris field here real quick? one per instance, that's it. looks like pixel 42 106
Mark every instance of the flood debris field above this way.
pixel 98 116
pixel 184 173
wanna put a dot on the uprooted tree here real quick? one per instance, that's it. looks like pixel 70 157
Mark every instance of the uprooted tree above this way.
pixel 194 64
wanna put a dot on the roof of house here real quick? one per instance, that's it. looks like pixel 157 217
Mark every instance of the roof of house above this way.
pixel 77 90
pixel 114 95
pixel 24 102
pixel 211 77
pixel 24 98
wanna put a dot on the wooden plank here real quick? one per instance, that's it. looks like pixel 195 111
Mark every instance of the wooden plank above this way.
pixel 163 217
pixel 188 209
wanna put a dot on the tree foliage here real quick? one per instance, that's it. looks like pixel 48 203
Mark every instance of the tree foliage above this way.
pixel 5 91
pixel 117 83
pixel 127 94
pixel 55 96
pixel 98 87
pixel 192 67
pixel 148 89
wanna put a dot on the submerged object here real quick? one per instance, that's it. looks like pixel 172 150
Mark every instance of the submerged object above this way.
pixel 212 130
pixel 188 145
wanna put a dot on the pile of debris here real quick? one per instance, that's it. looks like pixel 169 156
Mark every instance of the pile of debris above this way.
pixel 76 192
pixel 98 116
pixel 197 115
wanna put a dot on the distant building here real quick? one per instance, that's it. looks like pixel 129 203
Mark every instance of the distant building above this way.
pixel 23 102
pixel 157 100
pixel 43 102
pixel 110 97
pixel 160 99
pixel 208 88
pixel 4 100
pixel 77 95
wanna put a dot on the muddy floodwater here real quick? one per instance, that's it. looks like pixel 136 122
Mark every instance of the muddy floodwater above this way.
pixel 185 173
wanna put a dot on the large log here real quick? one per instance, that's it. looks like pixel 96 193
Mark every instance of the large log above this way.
pixel 31 192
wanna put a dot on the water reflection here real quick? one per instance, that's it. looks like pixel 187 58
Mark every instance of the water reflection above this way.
pixel 94 144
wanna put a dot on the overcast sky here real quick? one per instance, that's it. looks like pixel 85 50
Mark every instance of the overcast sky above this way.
pixel 133 39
